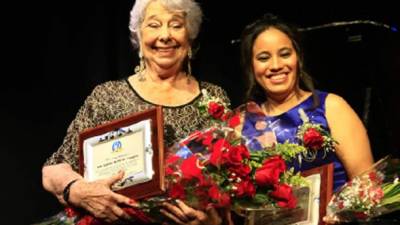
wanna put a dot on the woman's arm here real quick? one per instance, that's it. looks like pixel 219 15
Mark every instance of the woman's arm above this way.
pixel 56 177
pixel 60 169
pixel 346 127
pixel 96 197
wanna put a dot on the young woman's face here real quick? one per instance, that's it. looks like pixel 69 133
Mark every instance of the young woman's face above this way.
pixel 164 37
pixel 275 62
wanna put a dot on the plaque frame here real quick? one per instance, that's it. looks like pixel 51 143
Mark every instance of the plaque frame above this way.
pixel 326 187
pixel 156 185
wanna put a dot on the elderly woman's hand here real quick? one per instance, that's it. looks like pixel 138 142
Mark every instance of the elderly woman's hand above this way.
pixel 97 198
pixel 183 214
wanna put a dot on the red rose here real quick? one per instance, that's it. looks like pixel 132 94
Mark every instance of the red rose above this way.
pixel 170 161
pixel 269 173
pixel 372 176
pixel 234 121
pixel 245 188
pixel 313 139
pixel 241 170
pixel 375 194
pixel 216 110
pixel 236 154
pixel 208 138
pixel 284 195
pixel 177 191
pixel 375 178
pixel 218 155
pixel 222 199
pixel 191 169
pixel 169 171
pixel 202 197
pixel 341 205
pixel 172 158
pixel 214 193
pixel 88 220
pixel 71 212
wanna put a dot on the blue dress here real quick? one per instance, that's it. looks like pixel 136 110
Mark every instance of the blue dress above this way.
pixel 285 127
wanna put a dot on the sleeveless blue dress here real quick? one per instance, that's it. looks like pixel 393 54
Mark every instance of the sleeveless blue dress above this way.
pixel 285 127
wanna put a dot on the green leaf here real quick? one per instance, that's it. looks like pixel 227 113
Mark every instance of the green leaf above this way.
pixel 391 189
pixel 261 199
pixel 391 193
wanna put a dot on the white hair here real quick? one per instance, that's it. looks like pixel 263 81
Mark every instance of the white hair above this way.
pixel 193 16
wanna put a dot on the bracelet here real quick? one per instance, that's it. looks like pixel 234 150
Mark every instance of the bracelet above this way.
pixel 66 190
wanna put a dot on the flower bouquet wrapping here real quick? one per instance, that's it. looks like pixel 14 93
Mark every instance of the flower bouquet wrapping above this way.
pixel 373 193
pixel 219 166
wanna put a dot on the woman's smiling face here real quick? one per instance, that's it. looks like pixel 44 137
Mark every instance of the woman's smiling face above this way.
pixel 164 37
pixel 275 62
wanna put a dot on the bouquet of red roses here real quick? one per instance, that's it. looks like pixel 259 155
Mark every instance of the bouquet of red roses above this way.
pixel 217 166
pixel 214 167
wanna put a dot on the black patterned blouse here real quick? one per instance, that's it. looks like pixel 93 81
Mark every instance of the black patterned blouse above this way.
pixel 116 99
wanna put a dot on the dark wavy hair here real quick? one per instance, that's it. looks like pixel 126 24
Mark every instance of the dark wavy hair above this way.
pixel 254 92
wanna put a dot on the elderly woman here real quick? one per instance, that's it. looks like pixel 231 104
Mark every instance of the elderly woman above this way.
pixel 162 31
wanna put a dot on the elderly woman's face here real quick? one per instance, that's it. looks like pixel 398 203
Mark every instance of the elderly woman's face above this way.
pixel 275 62
pixel 164 37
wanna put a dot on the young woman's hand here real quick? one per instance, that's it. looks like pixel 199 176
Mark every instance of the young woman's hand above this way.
pixel 183 214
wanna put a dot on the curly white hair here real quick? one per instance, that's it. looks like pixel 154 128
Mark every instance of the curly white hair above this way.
pixel 191 9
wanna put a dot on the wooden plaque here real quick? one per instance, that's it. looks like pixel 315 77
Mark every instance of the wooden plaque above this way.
pixel 326 187
pixel 133 144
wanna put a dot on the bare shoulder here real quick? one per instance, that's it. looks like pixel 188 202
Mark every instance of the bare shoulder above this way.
pixel 335 101
pixel 339 111
pixel 335 105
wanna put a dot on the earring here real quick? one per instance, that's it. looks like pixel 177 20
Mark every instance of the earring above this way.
pixel 140 68
pixel 189 67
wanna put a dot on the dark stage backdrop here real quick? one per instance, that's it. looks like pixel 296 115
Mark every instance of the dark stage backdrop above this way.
pixel 57 52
